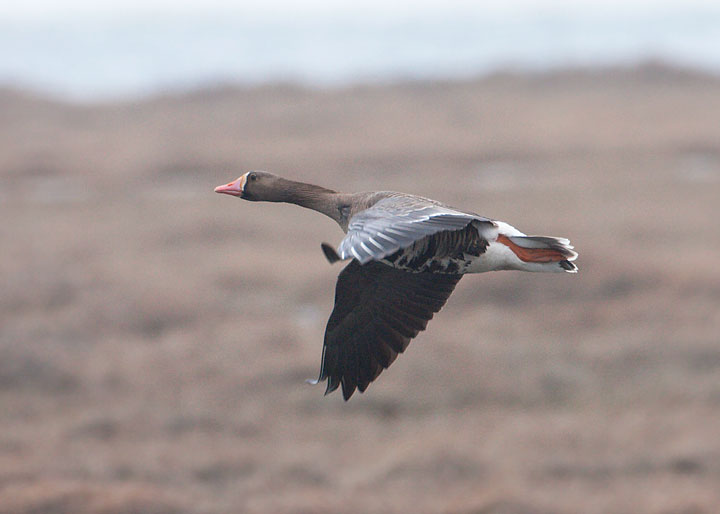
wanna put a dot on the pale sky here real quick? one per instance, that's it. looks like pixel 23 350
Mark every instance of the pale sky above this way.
pixel 50 9
pixel 132 47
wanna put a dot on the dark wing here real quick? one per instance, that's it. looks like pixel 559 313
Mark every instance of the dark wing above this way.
pixel 397 222
pixel 378 310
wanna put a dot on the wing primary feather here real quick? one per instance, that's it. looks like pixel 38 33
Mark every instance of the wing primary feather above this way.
pixel 330 254
pixel 378 310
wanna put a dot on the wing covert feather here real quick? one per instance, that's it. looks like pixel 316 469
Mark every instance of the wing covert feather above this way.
pixel 395 223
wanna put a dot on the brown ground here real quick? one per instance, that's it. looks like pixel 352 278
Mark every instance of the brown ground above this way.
pixel 155 337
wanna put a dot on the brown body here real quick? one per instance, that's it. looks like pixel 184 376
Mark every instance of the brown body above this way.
pixel 406 255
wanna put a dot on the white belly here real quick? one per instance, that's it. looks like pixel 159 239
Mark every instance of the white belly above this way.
pixel 496 257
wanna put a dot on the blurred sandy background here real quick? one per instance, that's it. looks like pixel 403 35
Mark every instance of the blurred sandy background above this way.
pixel 155 337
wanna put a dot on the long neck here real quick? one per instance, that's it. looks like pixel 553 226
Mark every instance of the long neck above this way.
pixel 312 197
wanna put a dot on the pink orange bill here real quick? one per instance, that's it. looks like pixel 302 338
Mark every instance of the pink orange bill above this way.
pixel 234 188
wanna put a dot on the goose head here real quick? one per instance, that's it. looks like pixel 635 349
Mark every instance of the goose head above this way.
pixel 256 186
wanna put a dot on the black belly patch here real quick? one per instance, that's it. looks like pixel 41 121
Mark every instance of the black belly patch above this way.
pixel 450 251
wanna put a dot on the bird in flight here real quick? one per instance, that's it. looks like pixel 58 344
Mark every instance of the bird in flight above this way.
pixel 406 255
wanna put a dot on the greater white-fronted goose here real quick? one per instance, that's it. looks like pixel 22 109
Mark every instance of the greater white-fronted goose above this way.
pixel 406 254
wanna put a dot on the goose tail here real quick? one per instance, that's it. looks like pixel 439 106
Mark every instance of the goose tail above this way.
pixel 541 253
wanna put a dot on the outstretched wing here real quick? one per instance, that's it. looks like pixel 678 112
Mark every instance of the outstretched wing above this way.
pixel 378 310
pixel 397 222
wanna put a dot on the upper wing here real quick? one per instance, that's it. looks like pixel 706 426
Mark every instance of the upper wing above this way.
pixel 378 310
pixel 397 222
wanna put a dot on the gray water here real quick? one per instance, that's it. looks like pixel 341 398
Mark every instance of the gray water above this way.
pixel 103 57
